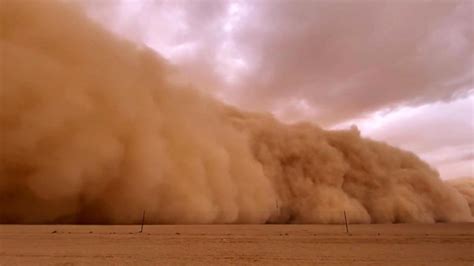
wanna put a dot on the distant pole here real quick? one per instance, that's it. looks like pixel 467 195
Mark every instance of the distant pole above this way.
pixel 345 218
pixel 143 222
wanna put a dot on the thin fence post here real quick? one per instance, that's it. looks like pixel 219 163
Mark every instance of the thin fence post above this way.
pixel 345 218
pixel 143 222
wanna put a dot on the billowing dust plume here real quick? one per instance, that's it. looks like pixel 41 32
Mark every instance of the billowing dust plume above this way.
pixel 94 129
pixel 465 186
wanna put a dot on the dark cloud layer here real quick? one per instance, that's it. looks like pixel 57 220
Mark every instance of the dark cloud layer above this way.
pixel 328 61
pixel 346 59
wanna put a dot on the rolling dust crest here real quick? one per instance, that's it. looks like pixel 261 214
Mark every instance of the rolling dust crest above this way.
pixel 465 186
pixel 94 129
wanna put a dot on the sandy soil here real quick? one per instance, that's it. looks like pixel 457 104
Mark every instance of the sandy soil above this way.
pixel 399 244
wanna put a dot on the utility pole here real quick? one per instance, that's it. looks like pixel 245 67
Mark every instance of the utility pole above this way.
pixel 345 218
pixel 143 222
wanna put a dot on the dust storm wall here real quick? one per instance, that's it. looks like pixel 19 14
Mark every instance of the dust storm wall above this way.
pixel 95 129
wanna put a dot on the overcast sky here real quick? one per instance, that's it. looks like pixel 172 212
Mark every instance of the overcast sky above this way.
pixel 401 70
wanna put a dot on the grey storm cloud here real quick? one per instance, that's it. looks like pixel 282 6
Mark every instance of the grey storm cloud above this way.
pixel 347 59
pixel 328 61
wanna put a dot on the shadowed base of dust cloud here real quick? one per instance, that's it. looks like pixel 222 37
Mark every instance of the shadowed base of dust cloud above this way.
pixel 95 129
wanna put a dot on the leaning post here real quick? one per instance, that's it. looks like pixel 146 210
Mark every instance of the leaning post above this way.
pixel 345 218
pixel 143 222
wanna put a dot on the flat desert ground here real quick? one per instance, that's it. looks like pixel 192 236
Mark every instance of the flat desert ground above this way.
pixel 397 244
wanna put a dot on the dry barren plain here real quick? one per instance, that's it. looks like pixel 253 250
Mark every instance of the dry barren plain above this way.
pixel 398 244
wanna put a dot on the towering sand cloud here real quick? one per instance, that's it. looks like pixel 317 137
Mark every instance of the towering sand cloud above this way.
pixel 95 129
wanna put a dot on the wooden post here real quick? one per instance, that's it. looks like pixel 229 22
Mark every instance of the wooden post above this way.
pixel 143 222
pixel 345 218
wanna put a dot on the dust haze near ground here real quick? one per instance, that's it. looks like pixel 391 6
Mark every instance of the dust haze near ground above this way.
pixel 379 244
pixel 95 129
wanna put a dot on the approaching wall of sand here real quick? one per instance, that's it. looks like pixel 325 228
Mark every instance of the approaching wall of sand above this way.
pixel 94 129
